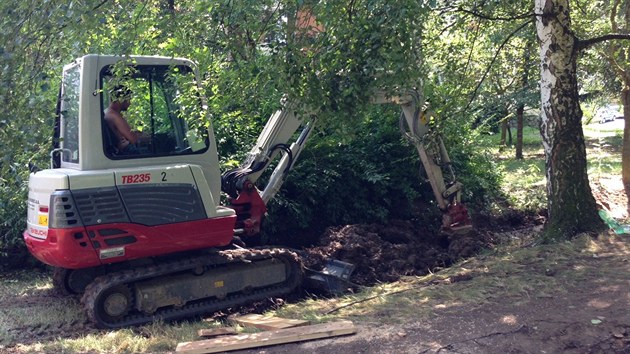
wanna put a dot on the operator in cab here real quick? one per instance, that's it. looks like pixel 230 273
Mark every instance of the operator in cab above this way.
pixel 127 140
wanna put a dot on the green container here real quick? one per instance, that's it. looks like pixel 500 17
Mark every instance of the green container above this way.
pixel 613 224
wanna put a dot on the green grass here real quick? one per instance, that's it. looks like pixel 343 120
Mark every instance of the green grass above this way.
pixel 156 337
pixel 524 181
pixel 531 138
pixel 604 153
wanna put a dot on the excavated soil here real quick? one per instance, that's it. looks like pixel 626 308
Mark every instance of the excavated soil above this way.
pixel 384 253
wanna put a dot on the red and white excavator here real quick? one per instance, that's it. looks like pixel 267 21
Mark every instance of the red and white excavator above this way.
pixel 143 236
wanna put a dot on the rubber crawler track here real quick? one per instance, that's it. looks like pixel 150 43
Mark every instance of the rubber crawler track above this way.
pixel 218 258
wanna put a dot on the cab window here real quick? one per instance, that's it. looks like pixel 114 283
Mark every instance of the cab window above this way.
pixel 164 111
pixel 69 114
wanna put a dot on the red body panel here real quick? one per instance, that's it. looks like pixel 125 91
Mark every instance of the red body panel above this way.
pixel 81 247
pixel 250 209
pixel 62 249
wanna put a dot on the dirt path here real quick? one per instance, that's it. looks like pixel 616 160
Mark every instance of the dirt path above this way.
pixel 582 307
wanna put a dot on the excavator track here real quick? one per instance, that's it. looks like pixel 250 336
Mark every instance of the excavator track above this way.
pixel 116 300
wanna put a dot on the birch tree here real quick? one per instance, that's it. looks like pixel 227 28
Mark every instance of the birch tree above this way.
pixel 571 205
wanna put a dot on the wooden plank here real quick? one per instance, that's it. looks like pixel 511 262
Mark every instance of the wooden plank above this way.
pixel 263 339
pixel 216 332
pixel 268 323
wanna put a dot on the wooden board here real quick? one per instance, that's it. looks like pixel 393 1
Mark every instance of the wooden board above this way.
pixel 215 332
pixel 262 339
pixel 268 323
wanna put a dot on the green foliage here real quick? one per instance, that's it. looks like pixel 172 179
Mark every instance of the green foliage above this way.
pixel 522 181
pixel 593 19
pixel 472 162
pixel 376 46
pixel 373 176
pixel 240 102
pixel 481 69
pixel 29 52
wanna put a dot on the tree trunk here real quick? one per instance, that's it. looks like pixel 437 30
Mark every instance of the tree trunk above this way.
pixel 519 131
pixel 571 206
pixel 625 150
pixel 520 110
pixel 504 127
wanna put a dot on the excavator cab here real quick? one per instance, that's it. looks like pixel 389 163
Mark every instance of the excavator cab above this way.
pixel 165 107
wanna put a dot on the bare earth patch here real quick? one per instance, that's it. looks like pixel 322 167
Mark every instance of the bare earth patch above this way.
pixel 611 196
pixel 576 304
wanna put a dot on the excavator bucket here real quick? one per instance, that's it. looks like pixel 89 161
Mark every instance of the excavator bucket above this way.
pixel 333 279
pixel 456 220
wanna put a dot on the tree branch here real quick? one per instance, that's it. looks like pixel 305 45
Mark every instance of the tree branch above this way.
pixel 587 43
pixel 472 47
pixel 449 26
pixel 494 58
pixel 99 5
pixel 496 18
pixel 613 63
pixel 263 31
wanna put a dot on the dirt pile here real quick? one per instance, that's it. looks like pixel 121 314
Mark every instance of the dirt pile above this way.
pixel 384 253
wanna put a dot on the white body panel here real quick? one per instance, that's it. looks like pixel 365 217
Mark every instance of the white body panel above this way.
pixel 43 183
pixel 40 188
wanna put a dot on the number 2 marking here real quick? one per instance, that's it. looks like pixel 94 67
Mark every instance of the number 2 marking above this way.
pixel 163 176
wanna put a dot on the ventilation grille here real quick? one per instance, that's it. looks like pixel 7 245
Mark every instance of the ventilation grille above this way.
pixel 159 204
pixel 63 211
pixel 100 206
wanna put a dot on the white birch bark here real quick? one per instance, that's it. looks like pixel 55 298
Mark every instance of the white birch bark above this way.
pixel 571 206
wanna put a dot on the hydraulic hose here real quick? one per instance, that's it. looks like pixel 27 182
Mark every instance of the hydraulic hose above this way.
pixel 232 180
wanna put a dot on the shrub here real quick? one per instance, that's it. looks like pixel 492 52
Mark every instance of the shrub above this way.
pixel 372 175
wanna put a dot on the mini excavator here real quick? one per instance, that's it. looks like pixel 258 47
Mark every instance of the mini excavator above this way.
pixel 144 236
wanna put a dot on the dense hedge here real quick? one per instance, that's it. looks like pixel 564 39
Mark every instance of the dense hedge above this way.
pixel 373 176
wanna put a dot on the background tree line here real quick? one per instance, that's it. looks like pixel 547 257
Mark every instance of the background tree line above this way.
pixel 477 62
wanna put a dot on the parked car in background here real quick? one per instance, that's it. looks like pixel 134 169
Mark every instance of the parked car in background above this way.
pixel 608 113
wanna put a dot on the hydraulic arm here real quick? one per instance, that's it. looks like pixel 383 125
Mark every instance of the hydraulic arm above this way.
pixel 249 202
